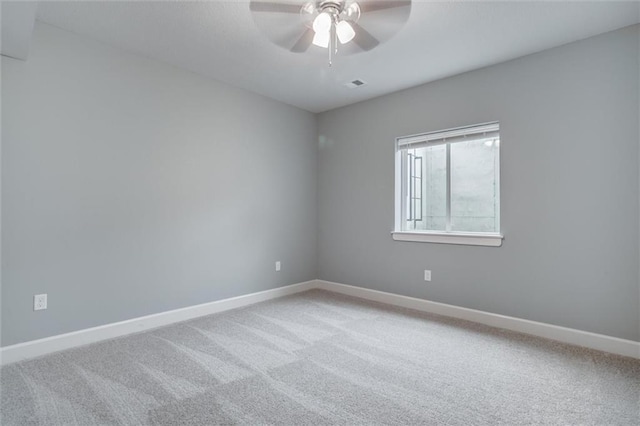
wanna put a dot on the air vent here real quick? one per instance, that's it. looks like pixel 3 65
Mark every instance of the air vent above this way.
pixel 355 83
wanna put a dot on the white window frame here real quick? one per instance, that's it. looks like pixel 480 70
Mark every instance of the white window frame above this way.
pixel 446 237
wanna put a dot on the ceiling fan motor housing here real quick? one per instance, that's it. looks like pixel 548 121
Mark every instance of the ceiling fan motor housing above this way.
pixel 330 6
pixel 338 9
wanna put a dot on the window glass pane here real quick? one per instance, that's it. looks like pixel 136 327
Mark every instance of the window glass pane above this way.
pixel 475 192
pixel 425 206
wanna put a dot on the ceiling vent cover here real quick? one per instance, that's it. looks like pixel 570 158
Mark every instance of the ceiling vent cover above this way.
pixel 355 83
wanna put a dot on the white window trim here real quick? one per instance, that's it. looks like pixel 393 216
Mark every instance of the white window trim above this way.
pixel 441 237
pixel 463 238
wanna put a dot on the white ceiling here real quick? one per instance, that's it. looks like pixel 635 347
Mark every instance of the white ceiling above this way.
pixel 219 39
pixel 16 26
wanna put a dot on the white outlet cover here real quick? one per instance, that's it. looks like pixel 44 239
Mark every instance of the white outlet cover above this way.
pixel 39 302
pixel 278 266
pixel 427 275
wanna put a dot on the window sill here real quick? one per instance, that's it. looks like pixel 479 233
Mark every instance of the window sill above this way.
pixel 469 239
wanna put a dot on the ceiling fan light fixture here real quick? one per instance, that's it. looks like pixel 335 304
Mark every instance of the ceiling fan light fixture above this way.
pixel 345 32
pixel 322 23
pixel 332 24
pixel 321 39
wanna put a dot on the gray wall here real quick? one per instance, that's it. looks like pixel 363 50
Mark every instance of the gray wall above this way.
pixel 569 165
pixel 131 187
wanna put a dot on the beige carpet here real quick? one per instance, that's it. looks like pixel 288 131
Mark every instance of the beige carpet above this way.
pixel 320 358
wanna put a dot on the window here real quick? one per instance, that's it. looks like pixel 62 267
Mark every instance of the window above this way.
pixel 448 186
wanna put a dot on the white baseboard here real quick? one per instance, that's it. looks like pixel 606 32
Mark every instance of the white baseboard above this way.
pixel 39 347
pixel 35 348
pixel 572 336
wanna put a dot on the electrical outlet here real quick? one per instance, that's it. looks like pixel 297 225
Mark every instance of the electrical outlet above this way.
pixel 39 302
pixel 427 275
pixel 278 266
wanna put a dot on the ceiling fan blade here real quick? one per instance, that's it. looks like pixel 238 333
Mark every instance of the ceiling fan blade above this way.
pixel 363 38
pixel 373 5
pixel 303 42
pixel 269 6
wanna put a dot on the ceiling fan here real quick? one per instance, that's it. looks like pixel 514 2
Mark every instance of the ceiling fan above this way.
pixel 354 25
